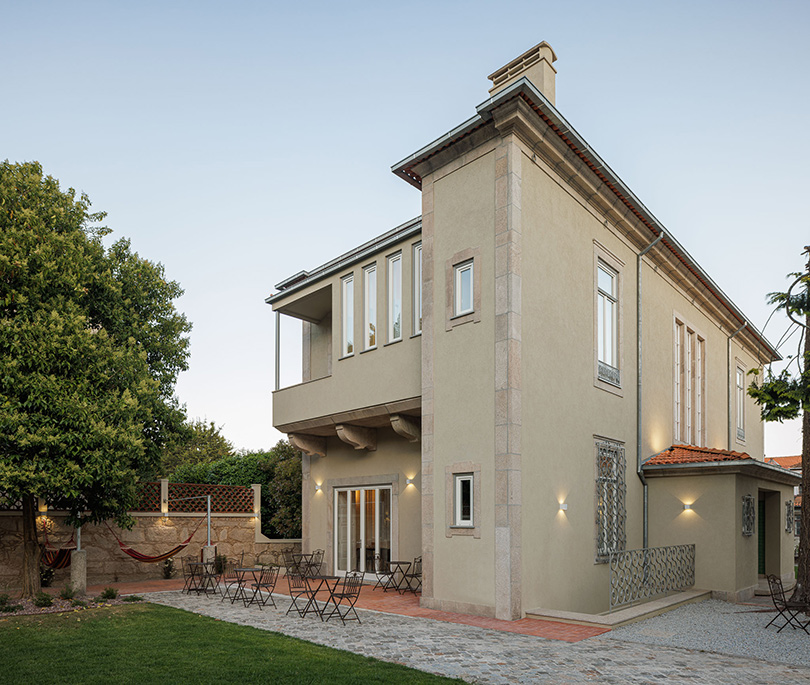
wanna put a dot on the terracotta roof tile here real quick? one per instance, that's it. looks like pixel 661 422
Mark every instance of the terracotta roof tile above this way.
pixel 797 501
pixel 688 454
pixel 786 462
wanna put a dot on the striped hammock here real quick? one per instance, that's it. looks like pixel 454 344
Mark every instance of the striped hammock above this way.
pixel 145 558
pixel 57 557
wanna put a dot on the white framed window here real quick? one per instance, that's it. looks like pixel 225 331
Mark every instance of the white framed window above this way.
pixel 611 514
pixel 463 288
pixel 370 307
pixel 740 404
pixel 607 323
pixel 689 403
pixel 347 309
pixel 395 297
pixel 463 500
pixel 417 288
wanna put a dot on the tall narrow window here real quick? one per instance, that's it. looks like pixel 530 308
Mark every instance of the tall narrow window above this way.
pixel 395 297
pixel 370 297
pixel 463 285
pixel 610 498
pixel 740 404
pixel 689 402
pixel 347 306
pixel 463 497
pixel 417 288
pixel 607 324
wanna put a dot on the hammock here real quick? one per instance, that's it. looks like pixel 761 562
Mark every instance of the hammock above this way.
pixel 138 556
pixel 57 557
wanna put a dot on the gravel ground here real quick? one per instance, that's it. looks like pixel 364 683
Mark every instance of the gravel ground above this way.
pixel 723 628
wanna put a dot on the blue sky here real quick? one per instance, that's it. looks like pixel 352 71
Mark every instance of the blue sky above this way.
pixel 238 143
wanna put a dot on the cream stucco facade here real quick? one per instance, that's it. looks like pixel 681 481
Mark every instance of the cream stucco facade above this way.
pixel 503 383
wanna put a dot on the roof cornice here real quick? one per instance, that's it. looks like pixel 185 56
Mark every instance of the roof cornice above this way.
pixel 526 90
pixel 745 467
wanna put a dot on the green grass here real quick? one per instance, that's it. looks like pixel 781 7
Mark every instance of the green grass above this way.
pixel 146 643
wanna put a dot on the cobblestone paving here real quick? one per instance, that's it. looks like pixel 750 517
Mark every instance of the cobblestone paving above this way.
pixel 486 656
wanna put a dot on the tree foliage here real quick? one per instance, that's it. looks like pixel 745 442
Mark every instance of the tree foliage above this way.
pixel 786 395
pixel 277 471
pixel 199 442
pixel 90 348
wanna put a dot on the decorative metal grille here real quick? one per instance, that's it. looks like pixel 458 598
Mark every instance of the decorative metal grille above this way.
pixel 235 499
pixel 639 574
pixel 789 516
pixel 610 492
pixel 148 497
pixel 740 433
pixel 748 515
pixel 609 374
pixel 8 504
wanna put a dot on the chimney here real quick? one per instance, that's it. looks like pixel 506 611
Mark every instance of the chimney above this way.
pixel 535 65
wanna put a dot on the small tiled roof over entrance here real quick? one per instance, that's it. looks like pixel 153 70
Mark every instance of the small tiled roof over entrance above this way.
pixel 786 462
pixel 689 454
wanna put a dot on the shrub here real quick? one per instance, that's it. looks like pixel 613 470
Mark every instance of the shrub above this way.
pixel 10 608
pixel 42 599
pixel 109 593
pixel 67 592
pixel 219 563
pixel 45 575
pixel 78 603
pixel 132 598
pixel 168 568
pixel 4 599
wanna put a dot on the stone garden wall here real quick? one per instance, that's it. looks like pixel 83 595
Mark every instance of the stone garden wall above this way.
pixel 232 533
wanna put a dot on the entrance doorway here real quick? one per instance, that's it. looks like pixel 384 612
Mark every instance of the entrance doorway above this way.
pixel 362 527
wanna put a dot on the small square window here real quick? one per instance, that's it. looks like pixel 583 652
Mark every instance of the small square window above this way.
pixel 463 497
pixel 463 288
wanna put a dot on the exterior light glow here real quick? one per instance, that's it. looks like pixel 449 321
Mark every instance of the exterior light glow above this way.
pixel 563 506
pixel 409 481
pixel 687 507
pixel 317 487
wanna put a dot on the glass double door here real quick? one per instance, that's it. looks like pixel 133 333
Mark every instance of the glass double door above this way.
pixel 362 527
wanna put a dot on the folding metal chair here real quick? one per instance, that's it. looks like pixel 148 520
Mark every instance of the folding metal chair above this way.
pixel 229 582
pixel 266 584
pixel 415 574
pixel 299 588
pixel 385 578
pixel 344 597
pixel 786 609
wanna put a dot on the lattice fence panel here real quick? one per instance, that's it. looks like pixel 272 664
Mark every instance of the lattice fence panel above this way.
pixel 235 499
pixel 639 574
pixel 148 497
pixel 8 504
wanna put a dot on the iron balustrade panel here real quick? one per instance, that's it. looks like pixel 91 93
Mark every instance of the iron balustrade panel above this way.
pixel 639 574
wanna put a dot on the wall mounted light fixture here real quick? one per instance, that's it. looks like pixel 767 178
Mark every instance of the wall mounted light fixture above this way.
pixel 687 507
pixel 409 481
pixel 563 506
pixel 317 487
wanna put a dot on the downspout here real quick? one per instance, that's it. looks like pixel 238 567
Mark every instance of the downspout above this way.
pixel 639 472
pixel 728 376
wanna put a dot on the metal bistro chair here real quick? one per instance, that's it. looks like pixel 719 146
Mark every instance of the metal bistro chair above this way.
pixel 415 574
pixel 188 572
pixel 290 564
pixel 786 609
pixel 348 591
pixel 229 581
pixel 314 564
pixel 266 584
pixel 299 590
pixel 385 578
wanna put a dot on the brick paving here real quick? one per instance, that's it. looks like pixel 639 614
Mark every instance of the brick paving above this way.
pixel 481 654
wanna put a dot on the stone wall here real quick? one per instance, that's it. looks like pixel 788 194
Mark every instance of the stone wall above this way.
pixel 152 535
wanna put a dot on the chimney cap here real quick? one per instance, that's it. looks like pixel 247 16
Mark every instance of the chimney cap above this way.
pixel 519 64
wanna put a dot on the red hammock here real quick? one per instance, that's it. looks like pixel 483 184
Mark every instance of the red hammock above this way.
pixel 57 557
pixel 138 556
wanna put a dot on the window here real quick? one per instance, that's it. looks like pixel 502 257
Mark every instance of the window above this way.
pixel 689 400
pixel 607 324
pixel 370 323
pixel 347 306
pixel 463 288
pixel 417 288
pixel 610 495
pixel 395 297
pixel 740 404
pixel 463 498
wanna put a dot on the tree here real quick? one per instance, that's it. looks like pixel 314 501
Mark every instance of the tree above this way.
pixel 199 442
pixel 90 347
pixel 277 471
pixel 787 395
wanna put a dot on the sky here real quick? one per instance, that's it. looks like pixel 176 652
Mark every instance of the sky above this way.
pixel 239 143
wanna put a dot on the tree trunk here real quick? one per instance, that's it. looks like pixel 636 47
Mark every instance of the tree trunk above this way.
pixel 31 550
pixel 803 572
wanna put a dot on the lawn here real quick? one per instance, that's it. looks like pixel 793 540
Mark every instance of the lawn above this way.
pixel 146 643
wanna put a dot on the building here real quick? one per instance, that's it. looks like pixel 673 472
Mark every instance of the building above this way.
pixel 793 464
pixel 484 386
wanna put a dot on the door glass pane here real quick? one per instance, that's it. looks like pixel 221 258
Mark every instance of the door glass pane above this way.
pixel 370 550
pixel 342 529
pixel 384 514
pixel 356 541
